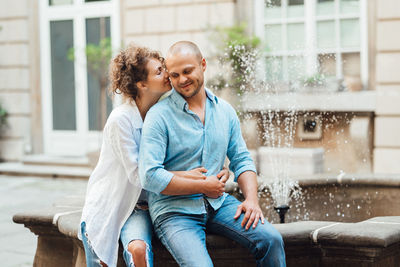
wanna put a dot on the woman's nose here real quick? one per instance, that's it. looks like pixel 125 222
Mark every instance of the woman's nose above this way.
pixel 166 74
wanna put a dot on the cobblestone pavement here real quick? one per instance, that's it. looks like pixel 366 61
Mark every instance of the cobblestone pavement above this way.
pixel 18 194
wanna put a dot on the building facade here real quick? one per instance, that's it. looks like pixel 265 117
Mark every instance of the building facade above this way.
pixel 51 100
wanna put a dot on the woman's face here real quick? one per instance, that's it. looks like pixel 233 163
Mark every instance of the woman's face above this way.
pixel 157 78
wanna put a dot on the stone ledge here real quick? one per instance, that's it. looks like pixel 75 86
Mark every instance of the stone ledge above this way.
pixel 362 234
pixel 392 180
pixel 363 101
pixel 386 220
pixel 19 169
pixel 299 233
pixel 307 243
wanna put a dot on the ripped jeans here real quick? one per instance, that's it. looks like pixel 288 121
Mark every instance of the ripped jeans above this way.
pixel 92 260
pixel 137 227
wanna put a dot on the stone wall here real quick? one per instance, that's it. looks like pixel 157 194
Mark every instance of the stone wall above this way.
pixel 17 67
pixel 387 121
pixel 160 23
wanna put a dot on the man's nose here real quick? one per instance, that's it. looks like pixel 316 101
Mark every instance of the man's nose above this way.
pixel 182 79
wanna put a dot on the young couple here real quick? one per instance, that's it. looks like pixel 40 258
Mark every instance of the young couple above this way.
pixel 183 142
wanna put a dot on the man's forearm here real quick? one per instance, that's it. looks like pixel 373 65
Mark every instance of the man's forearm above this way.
pixel 248 184
pixel 182 186
pixel 211 187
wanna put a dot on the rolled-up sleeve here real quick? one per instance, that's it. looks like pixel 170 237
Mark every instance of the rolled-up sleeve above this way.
pixel 153 145
pixel 238 154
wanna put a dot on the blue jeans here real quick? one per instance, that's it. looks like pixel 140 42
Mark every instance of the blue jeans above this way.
pixel 92 260
pixel 137 227
pixel 184 236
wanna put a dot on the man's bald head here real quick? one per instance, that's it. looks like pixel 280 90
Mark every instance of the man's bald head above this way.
pixel 186 68
pixel 185 48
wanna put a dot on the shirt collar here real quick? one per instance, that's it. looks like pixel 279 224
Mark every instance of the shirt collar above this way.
pixel 181 102
pixel 211 96
pixel 137 118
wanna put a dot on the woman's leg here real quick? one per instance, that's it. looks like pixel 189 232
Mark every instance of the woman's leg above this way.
pixel 136 237
pixel 138 250
pixel 92 260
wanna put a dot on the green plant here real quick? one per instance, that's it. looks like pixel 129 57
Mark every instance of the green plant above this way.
pixel 238 49
pixel 3 117
pixel 98 57
pixel 315 80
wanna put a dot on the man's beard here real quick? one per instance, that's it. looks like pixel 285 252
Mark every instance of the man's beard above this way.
pixel 196 91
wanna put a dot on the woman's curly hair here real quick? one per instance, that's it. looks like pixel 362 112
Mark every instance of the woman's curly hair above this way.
pixel 129 67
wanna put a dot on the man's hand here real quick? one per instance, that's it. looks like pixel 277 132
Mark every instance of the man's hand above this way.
pixel 213 187
pixel 252 213
pixel 223 175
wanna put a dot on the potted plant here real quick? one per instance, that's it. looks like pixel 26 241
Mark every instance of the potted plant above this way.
pixel 98 59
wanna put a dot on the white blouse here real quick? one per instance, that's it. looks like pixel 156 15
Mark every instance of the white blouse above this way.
pixel 114 186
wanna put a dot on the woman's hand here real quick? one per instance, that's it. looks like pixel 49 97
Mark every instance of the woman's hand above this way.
pixel 223 175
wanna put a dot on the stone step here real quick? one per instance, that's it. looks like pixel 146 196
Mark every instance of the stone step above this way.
pixel 21 169
pixel 50 160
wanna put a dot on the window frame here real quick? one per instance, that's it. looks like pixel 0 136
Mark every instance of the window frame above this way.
pixel 310 20
pixel 72 142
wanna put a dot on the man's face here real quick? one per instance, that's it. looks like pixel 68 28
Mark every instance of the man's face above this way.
pixel 186 72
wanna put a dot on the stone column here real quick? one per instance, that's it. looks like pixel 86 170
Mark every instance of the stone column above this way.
pixel 387 120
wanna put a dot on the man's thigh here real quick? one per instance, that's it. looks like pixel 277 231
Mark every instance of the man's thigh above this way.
pixel 184 237
pixel 256 240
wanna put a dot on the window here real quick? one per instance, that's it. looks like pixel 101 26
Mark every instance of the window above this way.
pixel 71 93
pixel 305 38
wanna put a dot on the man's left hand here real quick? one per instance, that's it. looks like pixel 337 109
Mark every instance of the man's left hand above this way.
pixel 252 213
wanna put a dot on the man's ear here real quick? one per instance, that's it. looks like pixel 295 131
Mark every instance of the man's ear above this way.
pixel 203 64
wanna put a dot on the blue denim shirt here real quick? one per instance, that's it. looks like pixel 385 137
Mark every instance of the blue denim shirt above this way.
pixel 174 138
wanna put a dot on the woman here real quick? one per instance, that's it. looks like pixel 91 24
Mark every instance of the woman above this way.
pixel 115 205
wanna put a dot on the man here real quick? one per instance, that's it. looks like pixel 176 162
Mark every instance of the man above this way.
pixel 193 128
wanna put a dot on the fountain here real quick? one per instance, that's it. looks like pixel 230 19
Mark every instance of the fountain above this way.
pixel 281 210
pixel 281 153
pixel 278 127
